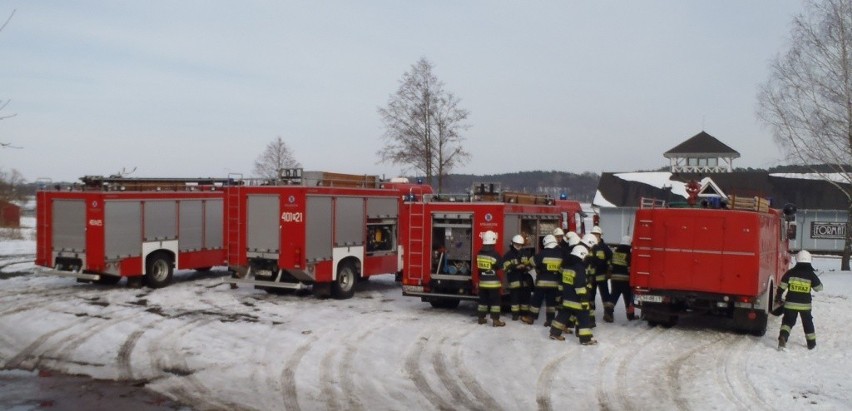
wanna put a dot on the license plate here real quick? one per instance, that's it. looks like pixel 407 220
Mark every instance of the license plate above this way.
pixel 650 298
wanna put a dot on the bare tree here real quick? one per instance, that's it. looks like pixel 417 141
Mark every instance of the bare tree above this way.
pixel 423 125
pixel 275 157
pixel 807 100
pixel 3 104
pixel 9 183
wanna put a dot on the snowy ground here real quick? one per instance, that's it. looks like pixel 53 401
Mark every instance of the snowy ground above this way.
pixel 201 343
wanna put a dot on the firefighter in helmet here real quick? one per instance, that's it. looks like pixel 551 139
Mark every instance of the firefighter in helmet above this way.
pixel 620 281
pixel 589 241
pixel 516 265
pixel 487 263
pixel 574 299
pixel 599 260
pixel 559 234
pixel 548 267
pixel 799 281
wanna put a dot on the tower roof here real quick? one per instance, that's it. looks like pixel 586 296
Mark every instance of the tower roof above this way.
pixel 702 145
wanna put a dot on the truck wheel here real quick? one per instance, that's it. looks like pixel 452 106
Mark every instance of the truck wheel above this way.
pixel 344 286
pixel 448 303
pixel 159 271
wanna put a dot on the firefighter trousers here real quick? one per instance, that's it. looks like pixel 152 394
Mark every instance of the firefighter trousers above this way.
pixel 547 295
pixel 520 293
pixel 489 301
pixel 620 289
pixel 579 318
pixel 789 320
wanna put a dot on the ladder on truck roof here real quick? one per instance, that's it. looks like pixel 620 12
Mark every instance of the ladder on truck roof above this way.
pixel 414 255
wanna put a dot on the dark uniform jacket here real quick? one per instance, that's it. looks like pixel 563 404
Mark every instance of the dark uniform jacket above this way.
pixel 487 262
pixel 799 281
pixel 599 258
pixel 574 291
pixel 511 261
pixel 621 263
pixel 548 267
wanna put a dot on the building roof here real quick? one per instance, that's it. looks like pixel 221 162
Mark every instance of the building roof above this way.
pixel 702 144
pixel 627 189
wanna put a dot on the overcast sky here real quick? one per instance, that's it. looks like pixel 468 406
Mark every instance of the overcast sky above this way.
pixel 198 88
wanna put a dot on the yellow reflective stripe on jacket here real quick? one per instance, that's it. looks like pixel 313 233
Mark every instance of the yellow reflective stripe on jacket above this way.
pixel 568 276
pixel 489 284
pixel 799 285
pixel 797 306
pixel 485 262
pixel 620 277
pixel 552 264
pixel 619 258
pixel 572 304
pixel 546 283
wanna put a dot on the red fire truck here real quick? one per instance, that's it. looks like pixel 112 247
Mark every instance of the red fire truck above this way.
pixel 318 229
pixel 725 260
pixel 112 227
pixel 440 235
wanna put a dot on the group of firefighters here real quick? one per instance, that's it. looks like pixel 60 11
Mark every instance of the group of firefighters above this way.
pixel 570 270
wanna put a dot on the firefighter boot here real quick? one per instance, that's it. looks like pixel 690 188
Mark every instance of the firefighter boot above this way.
pixel 548 319
pixel 482 320
pixel 495 321
pixel 811 344
pixel 631 312
pixel 557 337
pixel 782 342
pixel 527 319
pixel 590 341
pixel 608 311
pixel 515 316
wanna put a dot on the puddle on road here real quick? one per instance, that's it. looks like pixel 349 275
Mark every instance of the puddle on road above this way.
pixel 33 390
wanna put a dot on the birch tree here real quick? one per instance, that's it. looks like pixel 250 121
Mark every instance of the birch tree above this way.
pixel 807 100
pixel 424 125
pixel 275 157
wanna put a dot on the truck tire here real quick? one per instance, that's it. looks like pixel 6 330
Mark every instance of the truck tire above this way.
pixel 344 286
pixel 159 270
pixel 449 303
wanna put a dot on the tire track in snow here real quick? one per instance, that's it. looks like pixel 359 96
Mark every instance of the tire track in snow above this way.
pixel 339 358
pixel 482 399
pixel 28 351
pixel 64 350
pixel 731 374
pixel 624 352
pixel 165 357
pixel 288 375
pixel 419 377
pixel 674 367
pixel 544 383
pixel 125 370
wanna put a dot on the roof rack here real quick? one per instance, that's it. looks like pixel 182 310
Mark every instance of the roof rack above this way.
pixel 647 202
pixel 116 183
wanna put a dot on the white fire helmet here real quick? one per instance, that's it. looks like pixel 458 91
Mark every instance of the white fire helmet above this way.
pixel 558 231
pixel 572 238
pixel 489 238
pixel 626 240
pixel 549 241
pixel 597 230
pixel 804 257
pixel 581 252
pixel 518 239
pixel 589 240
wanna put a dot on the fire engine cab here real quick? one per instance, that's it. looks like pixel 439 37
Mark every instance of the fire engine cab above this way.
pixel 141 228
pixel 314 229
pixel 441 236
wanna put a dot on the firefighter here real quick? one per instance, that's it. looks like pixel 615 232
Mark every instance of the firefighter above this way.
pixel 589 241
pixel 798 282
pixel 599 260
pixel 489 282
pixel 574 299
pixel 516 265
pixel 559 234
pixel 570 240
pixel 620 281
pixel 548 266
